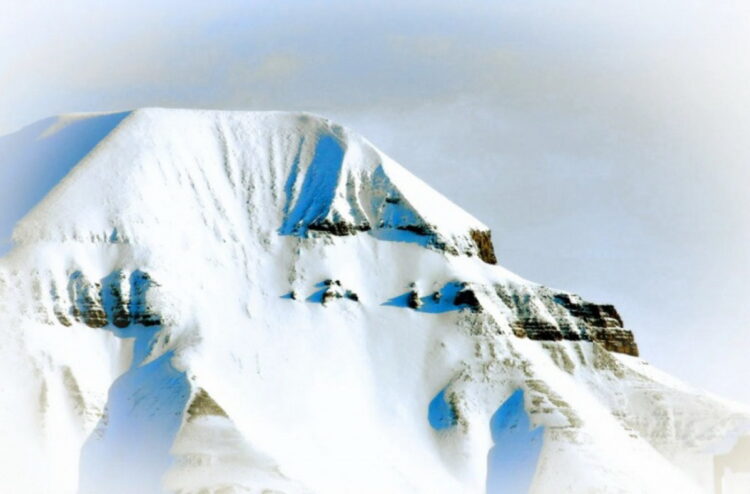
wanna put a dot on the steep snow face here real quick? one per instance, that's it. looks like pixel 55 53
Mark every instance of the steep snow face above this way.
pixel 36 158
pixel 270 173
pixel 264 302
pixel 513 458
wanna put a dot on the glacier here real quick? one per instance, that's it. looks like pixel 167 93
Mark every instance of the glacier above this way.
pixel 203 301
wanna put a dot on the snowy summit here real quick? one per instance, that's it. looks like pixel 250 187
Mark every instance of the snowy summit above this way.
pixel 241 302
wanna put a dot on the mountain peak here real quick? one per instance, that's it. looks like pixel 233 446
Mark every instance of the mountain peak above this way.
pixel 204 301
pixel 303 175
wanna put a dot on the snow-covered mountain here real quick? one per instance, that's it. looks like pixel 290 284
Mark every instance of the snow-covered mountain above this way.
pixel 220 302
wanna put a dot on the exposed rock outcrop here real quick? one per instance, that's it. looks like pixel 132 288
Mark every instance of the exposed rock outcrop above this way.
pixel 339 228
pixel 335 290
pixel 140 309
pixel 118 302
pixel 327 194
pixel 204 404
pixel 542 314
pixel 467 297
pixel 86 301
pixel 117 299
pixel 486 251
pixel 602 323
pixel 413 300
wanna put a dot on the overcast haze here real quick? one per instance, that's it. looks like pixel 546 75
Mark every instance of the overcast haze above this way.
pixel 604 142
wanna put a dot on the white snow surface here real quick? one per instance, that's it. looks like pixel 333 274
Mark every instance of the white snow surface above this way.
pixel 315 397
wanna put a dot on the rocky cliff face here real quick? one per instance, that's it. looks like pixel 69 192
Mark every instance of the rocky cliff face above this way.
pixel 537 313
pixel 546 315
pixel 533 312
pixel 119 299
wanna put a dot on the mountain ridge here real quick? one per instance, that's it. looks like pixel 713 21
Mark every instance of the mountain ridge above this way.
pixel 234 301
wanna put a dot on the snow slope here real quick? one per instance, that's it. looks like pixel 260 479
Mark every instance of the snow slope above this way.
pixel 264 302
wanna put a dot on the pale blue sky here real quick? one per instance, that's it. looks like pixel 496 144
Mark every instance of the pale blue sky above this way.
pixel 604 141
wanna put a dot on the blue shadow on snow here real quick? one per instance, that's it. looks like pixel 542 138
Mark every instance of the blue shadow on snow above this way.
pixel 512 461
pixel 318 188
pixel 397 235
pixel 444 303
pixel 440 413
pixel 129 449
pixel 32 163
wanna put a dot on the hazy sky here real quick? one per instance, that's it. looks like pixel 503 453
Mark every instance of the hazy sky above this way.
pixel 607 143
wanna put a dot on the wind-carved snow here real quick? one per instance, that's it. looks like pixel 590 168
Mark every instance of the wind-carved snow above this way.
pixel 34 159
pixel 513 459
pixel 328 389
pixel 317 193
pixel 396 218
pixel 129 451
pixel 334 196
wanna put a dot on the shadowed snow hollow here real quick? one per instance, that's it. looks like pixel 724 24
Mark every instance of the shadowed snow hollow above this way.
pixel 264 302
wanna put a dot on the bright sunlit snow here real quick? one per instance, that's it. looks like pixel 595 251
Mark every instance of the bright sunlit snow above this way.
pixel 264 302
